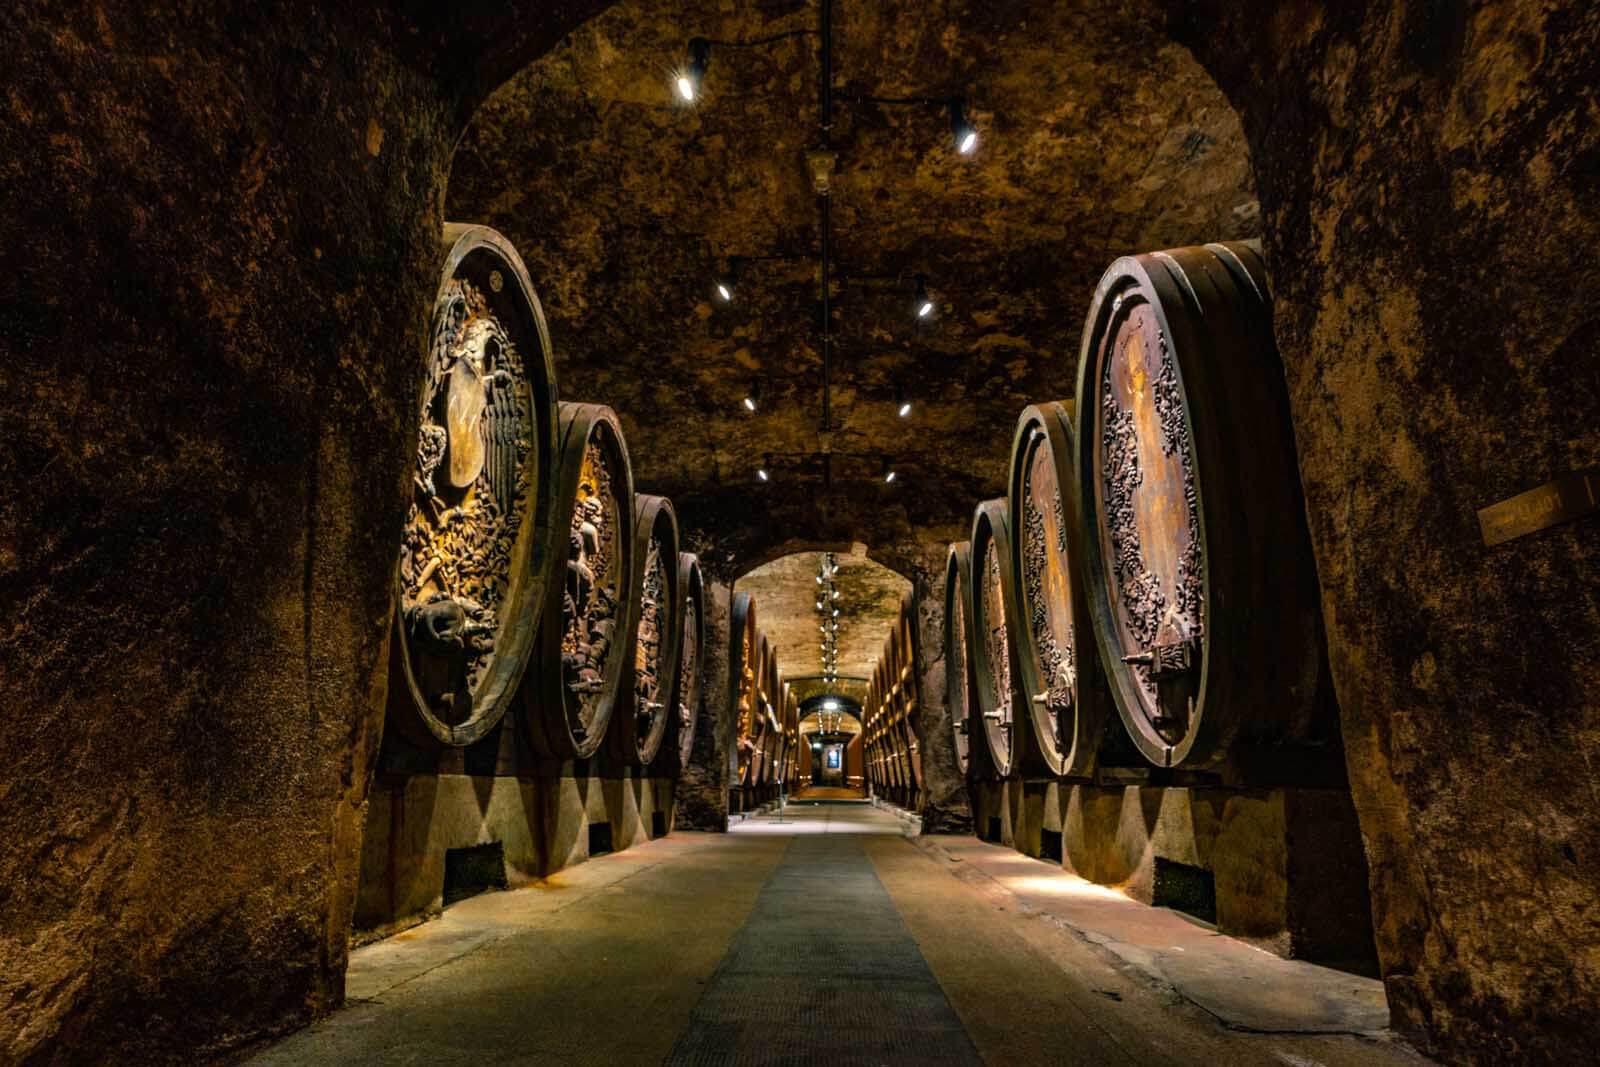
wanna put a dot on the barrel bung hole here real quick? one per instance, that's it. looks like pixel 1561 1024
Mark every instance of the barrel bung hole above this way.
pixel 473 870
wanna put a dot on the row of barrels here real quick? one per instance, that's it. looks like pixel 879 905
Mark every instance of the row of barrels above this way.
pixel 892 753
pixel 1145 594
pixel 531 573
pixel 767 741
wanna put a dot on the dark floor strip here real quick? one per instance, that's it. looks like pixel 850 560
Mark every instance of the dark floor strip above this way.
pixel 824 971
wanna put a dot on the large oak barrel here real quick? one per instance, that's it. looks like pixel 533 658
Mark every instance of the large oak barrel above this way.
pixel 588 612
pixel 992 611
pixel 910 689
pixel 791 737
pixel 685 700
pixel 959 688
pixel 640 722
pixel 1199 570
pixel 475 554
pixel 895 706
pixel 756 721
pixel 742 662
pixel 1067 711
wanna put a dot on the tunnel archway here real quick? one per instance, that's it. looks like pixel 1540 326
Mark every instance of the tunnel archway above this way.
pixel 273 181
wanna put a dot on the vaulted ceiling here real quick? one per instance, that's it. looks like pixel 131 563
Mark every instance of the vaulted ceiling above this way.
pixel 1098 138
pixel 785 592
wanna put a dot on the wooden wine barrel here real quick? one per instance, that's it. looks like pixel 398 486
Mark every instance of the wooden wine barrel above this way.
pixel 1068 722
pixel 583 635
pixel 742 663
pixel 910 687
pixel 791 725
pixel 771 737
pixel 756 738
pixel 1200 577
pixel 960 691
pixel 992 610
pixel 685 700
pixel 640 721
pixel 475 554
pixel 894 713
pixel 774 739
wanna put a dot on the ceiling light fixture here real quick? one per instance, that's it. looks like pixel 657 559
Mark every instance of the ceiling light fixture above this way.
pixel 689 79
pixel 752 397
pixel 888 471
pixel 727 283
pixel 923 302
pixel 902 403
pixel 964 132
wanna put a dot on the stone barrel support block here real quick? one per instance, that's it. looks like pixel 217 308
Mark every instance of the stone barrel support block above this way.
pixel 541 824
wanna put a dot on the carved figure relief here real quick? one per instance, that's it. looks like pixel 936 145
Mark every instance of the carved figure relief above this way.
pixel 647 648
pixel 1152 519
pixel 471 479
pixel 592 593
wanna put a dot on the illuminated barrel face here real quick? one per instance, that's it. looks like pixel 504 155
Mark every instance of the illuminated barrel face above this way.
pixel 590 609
pixel 958 574
pixel 1154 568
pixel 655 593
pixel 468 590
pixel 1198 573
pixel 686 684
pixel 591 612
pixel 990 617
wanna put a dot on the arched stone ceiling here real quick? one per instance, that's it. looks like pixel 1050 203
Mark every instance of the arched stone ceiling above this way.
pixel 1099 138
pixel 785 592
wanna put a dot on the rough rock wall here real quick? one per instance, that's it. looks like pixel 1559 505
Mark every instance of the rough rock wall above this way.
pixel 946 808
pixel 702 789
pixel 1428 173
pixel 223 225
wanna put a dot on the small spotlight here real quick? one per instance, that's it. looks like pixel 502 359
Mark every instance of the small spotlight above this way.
pixel 902 403
pixel 888 471
pixel 836 594
pixel 761 472
pixel 923 302
pixel 836 613
pixel 694 72
pixel 752 397
pixel 964 132
pixel 724 292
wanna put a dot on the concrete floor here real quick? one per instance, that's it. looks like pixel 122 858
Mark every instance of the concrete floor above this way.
pixel 832 937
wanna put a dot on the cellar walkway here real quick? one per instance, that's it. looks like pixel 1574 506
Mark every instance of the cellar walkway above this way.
pixel 831 937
